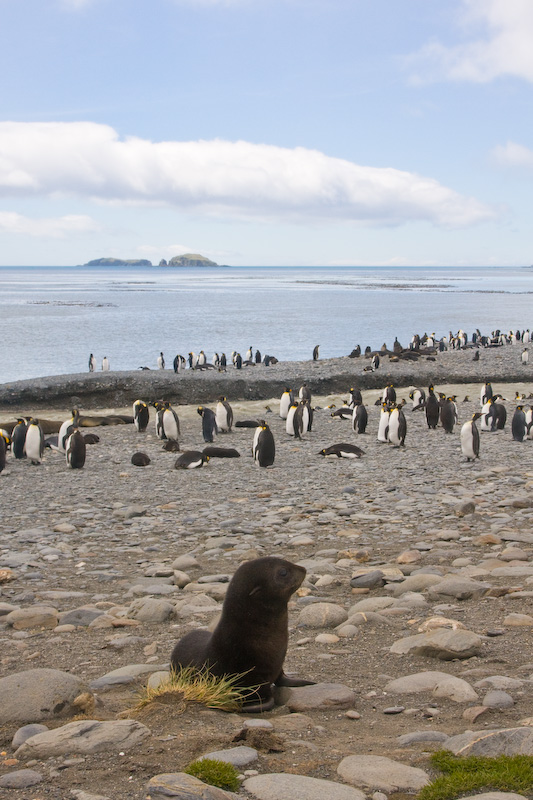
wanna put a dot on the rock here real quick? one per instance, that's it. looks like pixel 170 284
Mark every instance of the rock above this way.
pixel 498 699
pixel 124 675
pixel 417 737
pixel 148 609
pixel 33 617
pixel 495 796
pixel 183 787
pixel 79 794
pixel 20 779
pixel 379 772
pixel 504 741
pixel 25 732
pixel 280 786
pixel 238 756
pixel 37 694
pixel 85 736
pixel 320 695
pixel 467 507
pixel 515 620
pixel 444 644
pixel 368 580
pixel 440 684
pixel 460 588
pixel 80 617
pixel 322 615
pixel 416 583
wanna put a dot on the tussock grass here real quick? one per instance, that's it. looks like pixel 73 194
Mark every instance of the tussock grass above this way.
pixel 469 774
pixel 200 687
pixel 215 773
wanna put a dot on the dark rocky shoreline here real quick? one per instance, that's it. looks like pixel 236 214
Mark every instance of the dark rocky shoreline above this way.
pixel 325 376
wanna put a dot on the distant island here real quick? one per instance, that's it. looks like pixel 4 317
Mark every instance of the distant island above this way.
pixel 187 260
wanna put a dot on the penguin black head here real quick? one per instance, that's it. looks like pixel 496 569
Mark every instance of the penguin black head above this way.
pixel 475 416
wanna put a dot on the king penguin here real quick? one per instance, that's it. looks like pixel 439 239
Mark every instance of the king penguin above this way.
pixel 66 429
pixel 209 423
pixel 383 426
pixel 75 450
pixel 159 411
pixel 35 442
pixel 141 415
pixel 264 447
pixel 191 459
pixel 224 415
pixel 285 403
pixel 397 427
pixel 18 438
pixel 432 409
pixel 448 415
pixel 171 423
pixel 359 419
pixel 470 438
pixel 518 424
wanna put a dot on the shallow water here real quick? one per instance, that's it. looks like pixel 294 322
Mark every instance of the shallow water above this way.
pixel 51 318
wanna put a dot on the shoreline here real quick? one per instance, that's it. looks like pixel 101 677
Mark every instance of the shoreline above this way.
pixel 325 376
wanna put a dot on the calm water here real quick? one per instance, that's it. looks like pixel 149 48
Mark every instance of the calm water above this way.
pixel 51 318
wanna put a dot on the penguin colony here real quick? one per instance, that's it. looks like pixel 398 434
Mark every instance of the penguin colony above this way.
pixel 199 361
pixel 27 438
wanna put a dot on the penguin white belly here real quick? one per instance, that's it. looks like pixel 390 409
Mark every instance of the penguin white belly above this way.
pixel 34 444
pixel 284 405
pixel 383 426
pixel 62 435
pixel 289 424
pixel 170 426
pixel 394 428
pixel 484 422
pixel 221 417
pixel 467 440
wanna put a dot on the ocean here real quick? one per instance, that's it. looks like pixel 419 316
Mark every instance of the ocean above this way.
pixel 51 318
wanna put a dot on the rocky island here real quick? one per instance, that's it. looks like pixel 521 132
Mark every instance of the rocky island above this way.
pixel 119 262
pixel 186 260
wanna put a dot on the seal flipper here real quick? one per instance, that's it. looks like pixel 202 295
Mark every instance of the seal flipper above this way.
pixel 286 680
pixel 257 708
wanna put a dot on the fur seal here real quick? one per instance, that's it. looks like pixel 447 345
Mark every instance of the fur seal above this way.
pixel 220 452
pixel 252 634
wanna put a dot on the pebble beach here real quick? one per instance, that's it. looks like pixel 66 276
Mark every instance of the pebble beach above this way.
pixel 415 620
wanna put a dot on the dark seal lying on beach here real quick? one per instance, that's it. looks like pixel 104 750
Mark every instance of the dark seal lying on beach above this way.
pixel 252 634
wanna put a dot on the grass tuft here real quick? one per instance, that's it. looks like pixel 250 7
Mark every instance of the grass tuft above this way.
pixel 200 687
pixel 215 773
pixel 471 773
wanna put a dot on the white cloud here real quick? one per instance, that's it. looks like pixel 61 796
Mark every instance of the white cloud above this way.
pixel 221 178
pixel 499 44
pixel 513 155
pixel 47 228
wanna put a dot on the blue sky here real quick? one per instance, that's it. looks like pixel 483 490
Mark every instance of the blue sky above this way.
pixel 267 132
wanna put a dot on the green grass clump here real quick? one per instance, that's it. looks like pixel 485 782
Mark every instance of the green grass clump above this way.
pixel 200 687
pixel 215 773
pixel 471 773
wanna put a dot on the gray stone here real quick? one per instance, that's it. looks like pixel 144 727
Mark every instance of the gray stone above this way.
pixel 124 675
pixel 25 733
pixel 460 588
pixel 467 507
pixel 81 617
pixel 417 737
pixel 148 609
pixel 379 772
pixel 320 695
pixel 440 684
pixel 36 616
pixel 183 787
pixel 85 736
pixel 281 786
pixel 416 583
pixel 79 794
pixel 238 756
pixel 498 699
pixel 322 615
pixel 444 644
pixel 37 694
pixel 368 580
pixel 495 796
pixel 20 779
pixel 504 741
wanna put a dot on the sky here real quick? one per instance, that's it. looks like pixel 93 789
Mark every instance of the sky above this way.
pixel 267 132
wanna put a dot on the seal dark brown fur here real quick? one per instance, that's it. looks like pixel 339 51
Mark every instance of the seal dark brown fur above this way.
pixel 252 634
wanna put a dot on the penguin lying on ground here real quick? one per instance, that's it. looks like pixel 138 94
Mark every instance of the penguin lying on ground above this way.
pixel 342 450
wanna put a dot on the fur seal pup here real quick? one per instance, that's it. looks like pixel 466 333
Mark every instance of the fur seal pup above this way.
pixel 220 452
pixel 252 634
pixel 171 446
pixel 247 423
pixel 91 438
pixel 140 459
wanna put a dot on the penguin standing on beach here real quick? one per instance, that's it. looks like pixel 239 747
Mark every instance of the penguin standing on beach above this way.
pixel 418 398
pixel 292 424
pixel 161 361
pixel 432 409
pixel 66 429
pixel 356 398
pixel 518 425
pixel 359 419
pixel 389 394
pixel 75 450
pixel 92 363
pixel 448 415
pixel 105 364
pixel 525 356
pixel 315 352
pixel 470 438
pixel 383 425
pixel 18 438
pixel 485 394
pixel 285 403
pixel 224 415
pixel 34 442
pixel 171 423
pixel 397 427
pixel 141 415
pixel 263 447
pixel 305 392
pixel 209 423
pixel 159 427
